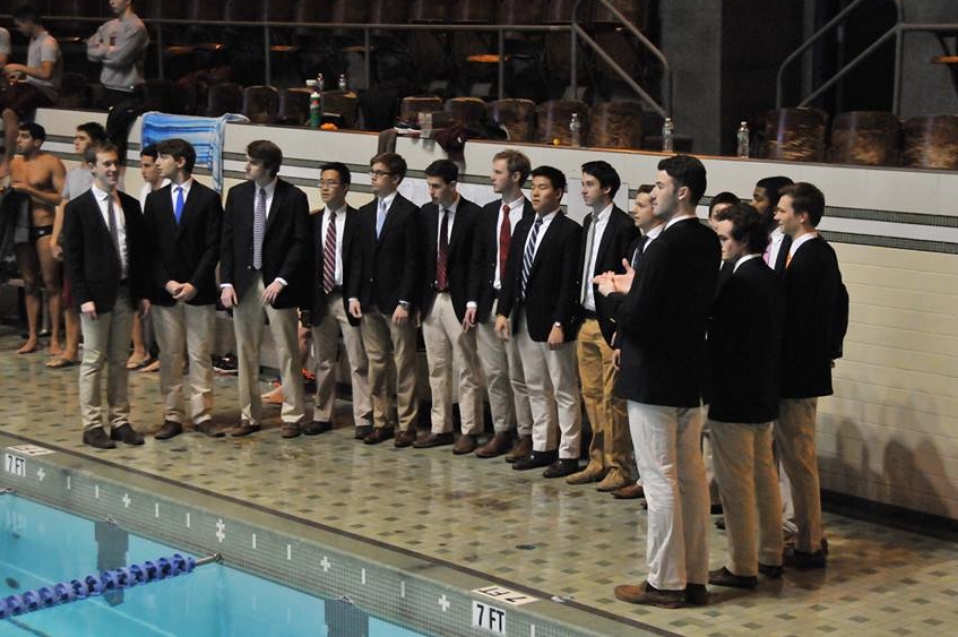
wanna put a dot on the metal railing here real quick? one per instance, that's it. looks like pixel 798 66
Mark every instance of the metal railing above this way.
pixel 897 32
pixel 579 33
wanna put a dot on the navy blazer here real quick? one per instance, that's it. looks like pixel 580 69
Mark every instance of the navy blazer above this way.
pixel 485 254
pixel 816 317
pixel 387 269
pixel 188 251
pixel 663 319
pixel 620 232
pixel 286 243
pixel 460 257
pixel 91 262
pixel 552 289
pixel 745 345
pixel 319 299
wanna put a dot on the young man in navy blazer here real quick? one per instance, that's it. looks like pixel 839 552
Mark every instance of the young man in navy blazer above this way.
pixel 662 322
pixel 816 317
pixel 745 346
pixel 334 240
pixel 501 364
pixel 539 306
pixel 265 268
pixel 449 226
pixel 104 246
pixel 607 233
pixel 385 291
pixel 183 222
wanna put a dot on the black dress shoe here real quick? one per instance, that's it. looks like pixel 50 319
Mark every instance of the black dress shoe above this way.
pixel 771 571
pixel 535 460
pixel 434 440
pixel 208 428
pixel 561 468
pixel 378 435
pixel 696 594
pixel 317 427
pixel 724 577
pixel 806 561
pixel 98 439
pixel 170 429
pixel 127 434
pixel 362 431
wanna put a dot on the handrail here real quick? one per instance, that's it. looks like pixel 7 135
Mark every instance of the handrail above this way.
pixel 579 32
pixel 896 31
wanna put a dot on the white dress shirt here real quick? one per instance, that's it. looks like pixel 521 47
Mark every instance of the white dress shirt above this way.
pixel 798 243
pixel 546 222
pixel 600 221
pixel 102 199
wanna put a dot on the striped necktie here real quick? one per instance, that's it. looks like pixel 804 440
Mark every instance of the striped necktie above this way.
pixel 329 255
pixel 259 229
pixel 528 257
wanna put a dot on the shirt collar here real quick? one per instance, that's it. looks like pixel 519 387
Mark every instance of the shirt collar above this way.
pixel 747 257
pixel 388 199
pixel 270 188
pixel 603 214
pixel 101 195
pixel 656 231
pixel 453 207
pixel 549 217
pixel 802 240
pixel 677 218
pixel 517 205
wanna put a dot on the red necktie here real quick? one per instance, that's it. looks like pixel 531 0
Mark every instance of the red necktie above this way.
pixel 442 259
pixel 505 237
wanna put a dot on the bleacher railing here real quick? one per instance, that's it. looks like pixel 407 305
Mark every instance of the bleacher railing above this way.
pixel 579 33
pixel 897 32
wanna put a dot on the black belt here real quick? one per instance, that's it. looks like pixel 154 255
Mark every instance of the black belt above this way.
pixel 589 314
pixel 336 290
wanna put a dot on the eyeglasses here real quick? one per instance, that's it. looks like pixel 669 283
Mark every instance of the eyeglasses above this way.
pixel 379 173
pixel 331 184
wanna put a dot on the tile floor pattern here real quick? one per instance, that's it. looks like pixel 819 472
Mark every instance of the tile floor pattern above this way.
pixel 518 527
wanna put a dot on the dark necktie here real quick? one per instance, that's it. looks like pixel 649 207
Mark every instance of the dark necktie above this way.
pixel 639 251
pixel 442 258
pixel 505 238
pixel 528 257
pixel 329 254
pixel 115 234
pixel 781 260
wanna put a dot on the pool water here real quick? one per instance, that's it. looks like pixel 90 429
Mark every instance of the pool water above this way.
pixel 41 546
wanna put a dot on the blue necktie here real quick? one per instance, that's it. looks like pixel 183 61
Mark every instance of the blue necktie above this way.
pixel 528 257
pixel 380 217
pixel 178 209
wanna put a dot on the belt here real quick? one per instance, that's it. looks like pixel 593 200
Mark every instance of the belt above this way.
pixel 336 290
pixel 589 314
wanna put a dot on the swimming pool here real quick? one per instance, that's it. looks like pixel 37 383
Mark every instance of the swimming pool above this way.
pixel 40 546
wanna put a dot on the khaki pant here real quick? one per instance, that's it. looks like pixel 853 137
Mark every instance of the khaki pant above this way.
pixel 553 394
pixel 669 454
pixel 448 343
pixel 391 350
pixel 795 441
pixel 190 327
pixel 748 484
pixel 248 325
pixel 611 441
pixel 504 379
pixel 106 341
pixel 326 343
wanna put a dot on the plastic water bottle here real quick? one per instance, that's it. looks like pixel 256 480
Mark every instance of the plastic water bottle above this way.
pixel 315 104
pixel 320 82
pixel 667 133
pixel 575 130
pixel 425 124
pixel 342 82
pixel 742 136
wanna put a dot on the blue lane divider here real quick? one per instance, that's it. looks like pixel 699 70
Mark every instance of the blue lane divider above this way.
pixel 92 585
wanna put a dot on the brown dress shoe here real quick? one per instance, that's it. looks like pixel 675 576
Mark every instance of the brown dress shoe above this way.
pixel 429 441
pixel 521 449
pixel 378 435
pixel 497 445
pixel 592 473
pixel 648 595
pixel 613 480
pixel 244 428
pixel 291 430
pixel 207 428
pixel 465 444
pixel 98 439
pixel 632 491
pixel 169 430
pixel 406 438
